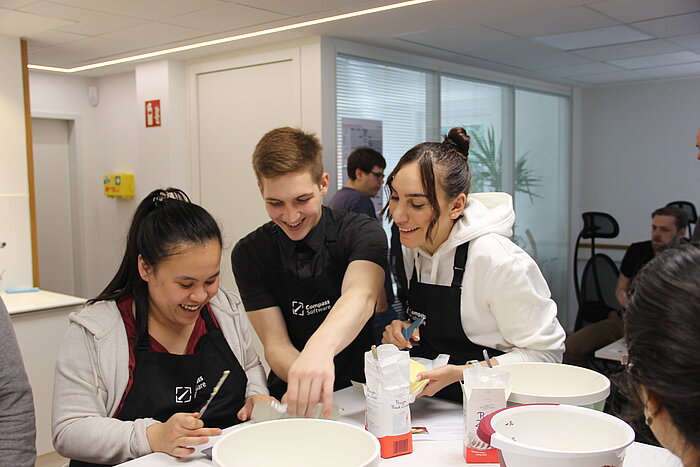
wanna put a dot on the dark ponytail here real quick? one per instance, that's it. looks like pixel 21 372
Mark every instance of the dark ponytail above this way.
pixel 446 161
pixel 164 222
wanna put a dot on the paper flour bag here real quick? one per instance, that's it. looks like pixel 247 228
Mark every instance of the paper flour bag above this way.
pixel 388 415
pixel 484 391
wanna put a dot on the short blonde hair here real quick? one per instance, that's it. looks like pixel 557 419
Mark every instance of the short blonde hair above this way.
pixel 288 150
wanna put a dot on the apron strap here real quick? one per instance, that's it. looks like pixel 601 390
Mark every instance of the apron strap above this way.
pixel 143 341
pixel 458 268
pixel 460 263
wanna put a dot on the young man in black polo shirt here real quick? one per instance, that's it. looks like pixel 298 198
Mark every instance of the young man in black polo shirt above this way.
pixel 310 278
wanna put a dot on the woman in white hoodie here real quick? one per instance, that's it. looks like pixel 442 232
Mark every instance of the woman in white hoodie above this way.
pixel 472 285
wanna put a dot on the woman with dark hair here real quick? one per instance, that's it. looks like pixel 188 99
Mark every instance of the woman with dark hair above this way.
pixel 473 286
pixel 139 362
pixel 662 325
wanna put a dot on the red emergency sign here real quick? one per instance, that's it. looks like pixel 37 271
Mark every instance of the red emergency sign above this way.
pixel 153 113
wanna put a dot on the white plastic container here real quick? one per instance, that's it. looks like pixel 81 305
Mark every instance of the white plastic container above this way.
pixel 556 435
pixel 556 383
pixel 297 442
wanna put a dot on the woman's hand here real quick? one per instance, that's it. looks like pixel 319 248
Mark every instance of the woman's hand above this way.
pixel 439 378
pixel 181 431
pixel 247 410
pixel 392 334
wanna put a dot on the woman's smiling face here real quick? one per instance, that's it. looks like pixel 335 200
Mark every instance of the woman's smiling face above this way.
pixel 412 213
pixel 181 284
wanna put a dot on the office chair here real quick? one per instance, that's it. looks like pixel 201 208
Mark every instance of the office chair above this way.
pixel 596 291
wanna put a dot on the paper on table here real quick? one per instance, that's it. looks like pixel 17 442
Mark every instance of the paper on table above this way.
pixel 447 427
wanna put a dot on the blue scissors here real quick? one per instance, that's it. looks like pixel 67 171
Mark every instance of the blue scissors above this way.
pixel 414 325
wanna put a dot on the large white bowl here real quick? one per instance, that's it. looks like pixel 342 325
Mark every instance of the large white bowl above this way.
pixel 554 435
pixel 556 383
pixel 298 442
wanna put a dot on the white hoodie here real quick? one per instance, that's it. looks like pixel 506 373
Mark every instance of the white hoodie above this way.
pixel 505 302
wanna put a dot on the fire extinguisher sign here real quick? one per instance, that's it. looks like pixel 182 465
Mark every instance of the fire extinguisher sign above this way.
pixel 153 113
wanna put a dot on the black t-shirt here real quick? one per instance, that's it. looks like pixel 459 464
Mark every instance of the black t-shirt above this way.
pixel 256 257
pixel 637 255
pixel 349 199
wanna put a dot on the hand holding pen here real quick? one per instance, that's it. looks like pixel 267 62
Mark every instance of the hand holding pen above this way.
pixel 402 334
pixel 183 430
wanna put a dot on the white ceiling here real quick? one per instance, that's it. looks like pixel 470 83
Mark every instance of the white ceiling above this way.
pixel 573 42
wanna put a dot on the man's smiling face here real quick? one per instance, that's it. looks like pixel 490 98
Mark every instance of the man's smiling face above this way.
pixel 293 201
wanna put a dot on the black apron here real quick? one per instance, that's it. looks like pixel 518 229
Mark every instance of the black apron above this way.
pixel 441 331
pixel 305 303
pixel 164 384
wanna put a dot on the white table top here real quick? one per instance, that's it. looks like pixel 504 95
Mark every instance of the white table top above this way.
pixel 432 453
pixel 613 351
pixel 26 302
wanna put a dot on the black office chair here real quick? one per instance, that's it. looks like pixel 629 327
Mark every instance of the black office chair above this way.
pixel 596 291
pixel 689 209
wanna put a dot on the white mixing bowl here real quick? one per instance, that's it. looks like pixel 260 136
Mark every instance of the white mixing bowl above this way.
pixel 554 435
pixel 297 442
pixel 556 383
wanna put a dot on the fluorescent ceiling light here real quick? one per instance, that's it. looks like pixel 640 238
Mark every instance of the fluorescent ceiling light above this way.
pixel 223 40
pixel 593 38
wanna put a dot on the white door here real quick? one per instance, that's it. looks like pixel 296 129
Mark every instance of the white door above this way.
pixel 236 106
pixel 54 220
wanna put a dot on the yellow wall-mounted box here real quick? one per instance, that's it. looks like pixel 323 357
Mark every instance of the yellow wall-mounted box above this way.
pixel 119 185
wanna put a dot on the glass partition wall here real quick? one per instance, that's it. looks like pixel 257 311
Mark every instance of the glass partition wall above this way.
pixel 520 143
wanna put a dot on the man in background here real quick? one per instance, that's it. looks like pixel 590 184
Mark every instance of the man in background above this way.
pixel 365 178
pixel 667 230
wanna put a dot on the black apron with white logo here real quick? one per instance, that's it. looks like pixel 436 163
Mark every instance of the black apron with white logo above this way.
pixel 441 331
pixel 305 303
pixel 164 384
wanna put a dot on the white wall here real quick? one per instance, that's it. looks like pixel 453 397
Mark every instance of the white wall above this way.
pixel 112 138
pixel 637 152
pixel 105 140
pixel 16 257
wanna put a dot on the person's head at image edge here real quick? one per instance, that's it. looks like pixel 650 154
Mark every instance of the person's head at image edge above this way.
pixel 172 260
pixel 662 325
pixel 428 190
pixel 366 170
pixel 288 164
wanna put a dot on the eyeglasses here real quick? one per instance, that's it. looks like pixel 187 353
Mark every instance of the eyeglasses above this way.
pixel 379 175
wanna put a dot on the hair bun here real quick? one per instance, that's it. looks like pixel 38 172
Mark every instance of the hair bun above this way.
pixel 459 137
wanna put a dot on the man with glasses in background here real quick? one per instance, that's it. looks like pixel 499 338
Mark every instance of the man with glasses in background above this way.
pixel 366 176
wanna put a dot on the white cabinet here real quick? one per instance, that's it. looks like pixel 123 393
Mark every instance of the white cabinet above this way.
pixel 40 320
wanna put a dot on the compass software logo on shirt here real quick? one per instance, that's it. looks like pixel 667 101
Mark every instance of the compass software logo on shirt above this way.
pixel 183 394
pixel 297 308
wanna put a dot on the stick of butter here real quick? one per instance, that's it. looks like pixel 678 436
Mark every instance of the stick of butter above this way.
pixel 416 386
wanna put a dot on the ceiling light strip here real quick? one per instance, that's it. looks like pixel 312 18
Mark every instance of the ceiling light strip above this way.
pixel 223 40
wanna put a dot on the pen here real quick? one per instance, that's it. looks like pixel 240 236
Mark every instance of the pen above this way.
pixel 409 330
pixel 487 359
pixel 213 393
